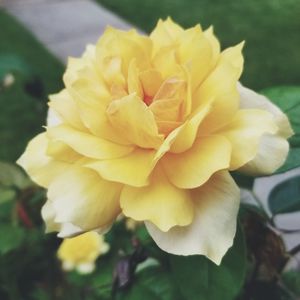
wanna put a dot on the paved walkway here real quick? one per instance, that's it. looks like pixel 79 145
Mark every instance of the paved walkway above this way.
pixel 64 26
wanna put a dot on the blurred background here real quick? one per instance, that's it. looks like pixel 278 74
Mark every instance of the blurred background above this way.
pixel 36 38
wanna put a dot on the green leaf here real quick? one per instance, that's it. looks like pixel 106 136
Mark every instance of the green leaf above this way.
pixel 7 194
pixel 153 283
pixel 291 280
pixel 12 176
pixel 10 63
pixel 243 181
pixel 11 238
pixel 287 98
pixel 285 197
pixel 292 161
pixel 199 278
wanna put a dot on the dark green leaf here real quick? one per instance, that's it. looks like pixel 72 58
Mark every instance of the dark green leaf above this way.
pixel 12 176
pixel 243 181
pixel 11 238
pixel 292 161
pixel 153 283
pixel 10 63
pixel 287 98
pixel 7 194
pixel 285 197
pixel 199 278
pixel 291 280
pixel 246 209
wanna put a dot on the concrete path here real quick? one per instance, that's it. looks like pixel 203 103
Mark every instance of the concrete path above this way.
pixel 64 26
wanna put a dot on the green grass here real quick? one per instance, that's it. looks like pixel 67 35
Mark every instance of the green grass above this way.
pixel 270 27
pixel 22 114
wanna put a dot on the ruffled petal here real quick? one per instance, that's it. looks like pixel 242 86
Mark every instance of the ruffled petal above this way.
pixel 160 202
pixel 213 229
pixel 194 167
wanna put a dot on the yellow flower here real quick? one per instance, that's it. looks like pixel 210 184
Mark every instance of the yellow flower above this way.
pixel 150 126
pixel 81 252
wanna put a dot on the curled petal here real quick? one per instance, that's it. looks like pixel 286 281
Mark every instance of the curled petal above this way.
pixel 213 229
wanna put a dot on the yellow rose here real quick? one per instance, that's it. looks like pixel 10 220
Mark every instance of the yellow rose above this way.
pixel 150 127
pixel 81 252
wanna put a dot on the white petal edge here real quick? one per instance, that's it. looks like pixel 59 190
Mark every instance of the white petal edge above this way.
pixel 65 230
pixel 214 226
pixel 273 149
pixel 272 153
pixel 53 118
pixel 251 99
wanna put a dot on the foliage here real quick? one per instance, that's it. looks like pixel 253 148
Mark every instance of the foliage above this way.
pixel 36 74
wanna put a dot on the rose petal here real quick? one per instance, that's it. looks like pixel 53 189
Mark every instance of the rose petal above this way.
pixel 133 119
pixel 64 105
pixel 272 153
pixel 213 229
pixel 87 144
pixel 244 133
pixel 187 135
pixel 41 168
pixel 195 166
pixel 221 86
pixel 251 99
pixel 81 197
pixel 133 169
pixel 160 202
